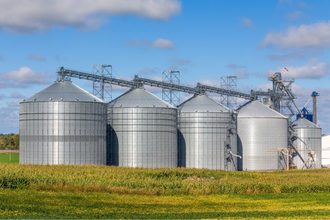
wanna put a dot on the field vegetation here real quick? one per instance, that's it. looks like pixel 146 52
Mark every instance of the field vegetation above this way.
pixel 90 205
pixel 161 181
pixel 113 192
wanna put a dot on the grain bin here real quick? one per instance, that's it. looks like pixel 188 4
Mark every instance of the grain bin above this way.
pixel 142 131
pixel 207 134
pixel 308 144
pixel 261 132
pixel 63 124
pixel 326 151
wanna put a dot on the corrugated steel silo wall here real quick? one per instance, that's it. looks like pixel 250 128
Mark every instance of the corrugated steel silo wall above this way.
pixel 203 137
pixel 312 137
pixel 142 137
pixel 259 139
pixel 325 150
pixel 62 133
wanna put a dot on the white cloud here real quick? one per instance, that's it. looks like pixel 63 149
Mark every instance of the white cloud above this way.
pixel 163 43
pixel 24 75
pixel 37 15
pixel 247 22
pixel 304 36
pixel 312 70
pixel 160 43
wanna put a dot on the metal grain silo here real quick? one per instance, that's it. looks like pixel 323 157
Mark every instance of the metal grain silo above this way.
pixel 308 144
pixel 261 132
pixel 207 134
pixel 63 124
pixel 142 131
pixel 326 151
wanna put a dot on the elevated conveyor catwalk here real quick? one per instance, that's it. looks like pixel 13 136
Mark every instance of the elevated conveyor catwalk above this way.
pixel 139 81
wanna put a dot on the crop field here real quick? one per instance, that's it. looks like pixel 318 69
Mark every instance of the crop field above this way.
pixel 9 157
pixel 112 192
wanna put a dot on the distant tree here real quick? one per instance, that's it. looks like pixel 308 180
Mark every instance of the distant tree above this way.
pixel 9 141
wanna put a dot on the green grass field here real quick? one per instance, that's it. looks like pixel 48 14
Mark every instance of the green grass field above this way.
pixel 48 204
pixel 9 157
pixel 112 192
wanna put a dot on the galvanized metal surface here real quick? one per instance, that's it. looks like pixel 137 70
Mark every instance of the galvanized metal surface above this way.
pixel 205 128
pixel 261 131
pixel 258 110
pixel 326 150
pixel 142 131
pixel 62 132
pixel 64 91
pixel 311 135
pixel 136 98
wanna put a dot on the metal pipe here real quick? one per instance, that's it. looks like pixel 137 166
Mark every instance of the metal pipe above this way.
pixel 314 95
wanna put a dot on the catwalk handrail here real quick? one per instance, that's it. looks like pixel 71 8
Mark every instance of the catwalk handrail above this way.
pixel 93 77
pixel 138 82
pixel 165 85
pixel 222 91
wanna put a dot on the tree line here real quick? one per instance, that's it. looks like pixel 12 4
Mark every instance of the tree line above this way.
pixel 9 141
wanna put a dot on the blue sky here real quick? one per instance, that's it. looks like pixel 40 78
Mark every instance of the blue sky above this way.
pixel 203 39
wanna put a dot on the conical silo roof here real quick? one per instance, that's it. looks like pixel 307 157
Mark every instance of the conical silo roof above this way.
pixel 304 123
pixel 63 90
pixel 201 103
pixel 255 109
pixel 139 97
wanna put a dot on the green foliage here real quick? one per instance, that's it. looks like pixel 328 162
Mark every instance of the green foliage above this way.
pixel 9 158
pixel 9 141
pixel 14 182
